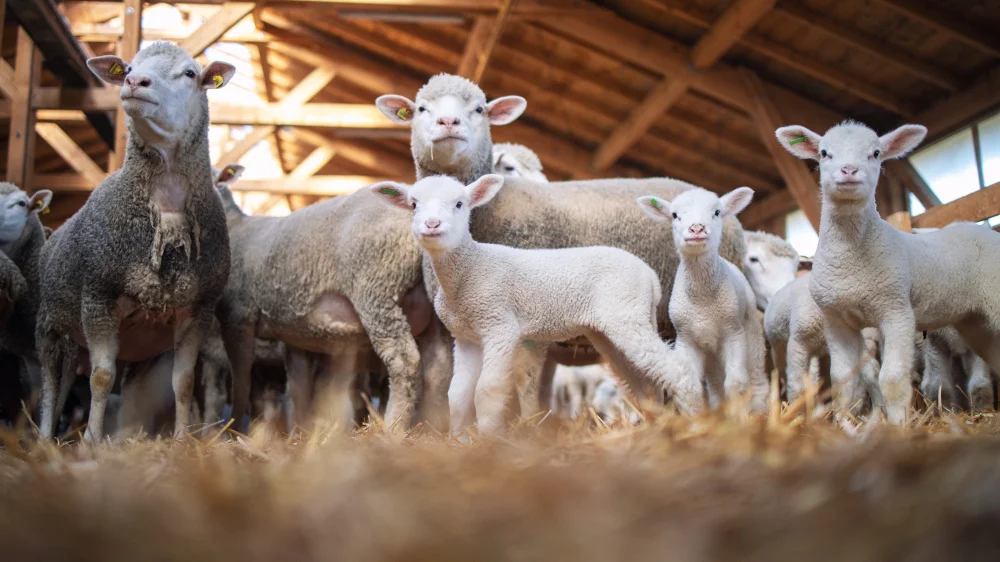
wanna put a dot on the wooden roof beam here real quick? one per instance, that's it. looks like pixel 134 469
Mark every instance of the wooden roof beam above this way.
pixel 978 205
pixel 326 186
pixel 897 57
pixel 945 22
pixel 738 19
pixel 216 26
pixel 486 32
pixel 244 145
pixel 71 152
pixel 798 179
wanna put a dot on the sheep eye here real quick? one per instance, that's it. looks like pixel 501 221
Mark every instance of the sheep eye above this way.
pixel 718 212
pixel 421 109
pixel 877 152
pixel 189 73
pixel 509 168
pixel 479 110
pixel 22 204
pixel 458 205
pixel 675 215
pixel 822 153
pixel 413 205
pixel 754 259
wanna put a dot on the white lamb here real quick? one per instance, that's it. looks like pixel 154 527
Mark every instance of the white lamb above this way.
pixel 771 264
pixel 504 303
pixel 712 305
pixel 517 161
pixel 945 347
pixel 867 273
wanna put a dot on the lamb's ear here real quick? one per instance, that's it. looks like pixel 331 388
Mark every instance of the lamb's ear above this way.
pixel 484 189
pixel 39 201
pixel 216 75
pixel 398 109
pixel 506 109
pixel 229 174
pixel 393 193
pixel 800 141
pixel 901 141
pixel 735 201
pixel 655 208
pixel 496 162
pixel 109 68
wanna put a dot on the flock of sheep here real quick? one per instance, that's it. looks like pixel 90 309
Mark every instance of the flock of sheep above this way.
pixel 161 287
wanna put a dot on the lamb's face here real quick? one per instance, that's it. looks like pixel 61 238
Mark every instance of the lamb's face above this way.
pixel 15 208
pixel 441 207
pixel 768 272
pixel 163 84
pixel 510 167
pixel 850 155
pixel 696 216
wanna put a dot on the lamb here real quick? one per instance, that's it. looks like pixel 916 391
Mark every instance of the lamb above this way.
pixel 516 160
pixel 139 269
pixel 867 273
pixel 506 304
pixel 450 124
pixel 771 264
pixel 573 388
pixel 944 347
pixel 712 305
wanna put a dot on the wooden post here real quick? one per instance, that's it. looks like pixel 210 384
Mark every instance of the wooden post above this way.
pixel 21 143
pixel 127 48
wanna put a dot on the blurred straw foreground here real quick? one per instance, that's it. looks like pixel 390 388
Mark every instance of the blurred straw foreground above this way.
pixel 713 488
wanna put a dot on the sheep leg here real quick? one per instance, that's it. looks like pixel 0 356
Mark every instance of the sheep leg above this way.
pixel 734 365
pixel 980 385
pixel 390 336
pixel 100 327
pixel 332 396
pixel 299 369
pixel 895 380
pixel 52 358
pixel 461 395
pixel 238 340
pixel 938 371
pixel 983 340
pixel 436 365
pixel 496 384
pixel 574 394
pixel 845 351
pixel 799 374
pixel 545 395
pixel 212 379
pixel 779 361
pixel 188 337
pixel 529 362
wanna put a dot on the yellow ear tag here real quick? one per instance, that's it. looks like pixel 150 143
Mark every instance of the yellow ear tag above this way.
pixel 218 81
pixel 116 69
pixel 403 113
pixel 227 174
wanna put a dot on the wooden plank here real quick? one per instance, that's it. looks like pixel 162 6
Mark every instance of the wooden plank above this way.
pixel 797 177
pixel 70 152
pixel 127 48
pixel 873 47
pixel 975 207
pixel 271 202
pixel 244 145
pixel 768 209
pixel 7 85
pixel 308 87
pixel 107 33
pixel 216 26
pixel 963 108
pixel 90 99
pixel 64 182
pixel 483 51
pixel 313 163
pixel 945 22
pixel 475 46
pixel 316 185
pixel 738 19
pixel 63 55
pixel 338 115
pixel 909 176
pixel 391 164
pixel 656 103
pixel 21 139
pixel 265 91
pixel 901 220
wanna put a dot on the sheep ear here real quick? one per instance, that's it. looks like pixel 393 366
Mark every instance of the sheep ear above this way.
pixel 655 208
pixel 484 189
pixel 735 201
pixel 398 109
pixel 39 201
pixel 901 141
pixel 800 141
pixel 216 75
pixel 109 68
pixel 506 109
pixel 229 174
pixel 496 162
pixel 393 193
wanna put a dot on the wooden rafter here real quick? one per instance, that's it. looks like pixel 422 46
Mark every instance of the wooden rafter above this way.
pixel 485 35
pixel 391 164
pixel 313 163
pixel 963 108
pixel 127 48
pixel 908 175
pixel 738 19
pixel 978 205
pixel 797 177
pixel 244 145
pixel 946 22
pixel 21 140
pixel 308 87
pixel 265 90
pixel 103 33
pixel 328 186
pixel 271 202
pixel 216 26
pixel 337 115
pixel 70 152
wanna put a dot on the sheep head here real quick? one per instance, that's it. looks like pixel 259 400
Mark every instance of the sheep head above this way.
pixel 697 216
pixel 16 207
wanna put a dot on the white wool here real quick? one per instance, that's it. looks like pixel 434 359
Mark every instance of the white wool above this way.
pixel 867 273
pixel 770 265
pixel 943 348
pixel 505 305
pixel 516 160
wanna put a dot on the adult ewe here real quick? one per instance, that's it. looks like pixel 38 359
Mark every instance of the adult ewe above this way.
pixel 138 270
pixel 867 273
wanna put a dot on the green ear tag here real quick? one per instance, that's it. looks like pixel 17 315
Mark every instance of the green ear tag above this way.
pixel 797 141
pixel 656 204
pixel 116 69
pixel 388 191
pixel 403 113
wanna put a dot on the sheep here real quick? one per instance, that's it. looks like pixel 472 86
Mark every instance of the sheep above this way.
pixel 867 273
pixel 573 388
pixel 505 305
pixel 771 264
pixel 450 122
pixel 610 405
pixel 138 270
pixel 315 280
pixel 712 305
pixel 516 160
pixel 944 347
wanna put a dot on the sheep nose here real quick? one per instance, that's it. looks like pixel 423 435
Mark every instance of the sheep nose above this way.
pixel 849 170
pixel 696 228
pixel 449 121
pixel 136 81
pixel 432 223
